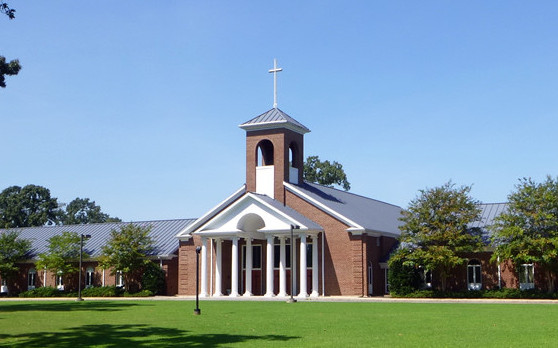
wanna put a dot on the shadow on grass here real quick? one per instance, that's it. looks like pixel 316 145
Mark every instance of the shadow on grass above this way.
pixel 129 336
pixel 66 306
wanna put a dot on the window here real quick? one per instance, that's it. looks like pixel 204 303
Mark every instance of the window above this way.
pixel 89 277
pixel 527 276
pixel 256 257
pixel 4 286
pixel 309 255
pixel 474 275
pixel 119 279
pixel 277 256
pixel 426 278
pixel 31 279
pixel 59 281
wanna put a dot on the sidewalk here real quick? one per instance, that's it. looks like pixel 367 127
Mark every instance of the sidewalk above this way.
pixel 308 299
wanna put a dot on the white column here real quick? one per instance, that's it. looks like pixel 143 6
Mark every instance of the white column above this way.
pixel 218 280
pixel 315 292
pixel 269 268
pixel 234 267
pixel 248 258
pixel 203 276
pixel 303 292
pixel 282 269
pixel 293 267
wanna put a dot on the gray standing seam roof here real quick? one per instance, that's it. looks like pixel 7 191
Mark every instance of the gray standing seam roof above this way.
pixel 489 212
pixel 163 233
pixel 274 116
pixel 371 214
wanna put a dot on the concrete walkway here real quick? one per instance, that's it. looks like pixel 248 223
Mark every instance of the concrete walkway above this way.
pixel 283 299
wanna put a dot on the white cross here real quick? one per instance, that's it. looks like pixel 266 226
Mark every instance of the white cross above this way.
pixel 275 70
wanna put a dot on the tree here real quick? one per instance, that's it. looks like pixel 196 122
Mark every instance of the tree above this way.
pixel 28 206
pixel 11 68
pixel 527 232
pixel 325 173
pixel 127 252
pixel 84 211
pixel 5 9
pixel 12 250
pixel 63 254
pixel 435 231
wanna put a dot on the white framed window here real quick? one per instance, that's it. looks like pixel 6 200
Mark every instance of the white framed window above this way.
pixel 31 279
pixel 4 286
pixel 386 280
pixel 256 257
pixel 527 276
pixel 59 281
pixel 89 273
pixel 277 256
pixel 426 278
pixel 119 279
pixel 474 280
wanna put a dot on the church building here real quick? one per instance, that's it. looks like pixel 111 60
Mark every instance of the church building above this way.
pixel 278 235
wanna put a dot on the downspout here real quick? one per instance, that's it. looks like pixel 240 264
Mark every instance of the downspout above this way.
pixel 45 275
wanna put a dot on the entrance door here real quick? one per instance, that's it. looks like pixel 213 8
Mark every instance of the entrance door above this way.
pixel 256 269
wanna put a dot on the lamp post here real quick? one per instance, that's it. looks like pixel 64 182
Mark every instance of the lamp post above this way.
pixel 83 236
pixel 197 311
pixel 292 299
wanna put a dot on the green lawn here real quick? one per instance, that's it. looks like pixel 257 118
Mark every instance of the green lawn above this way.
pixel 264 324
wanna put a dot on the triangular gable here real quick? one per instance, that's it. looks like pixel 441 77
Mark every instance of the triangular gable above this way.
pixel 256 215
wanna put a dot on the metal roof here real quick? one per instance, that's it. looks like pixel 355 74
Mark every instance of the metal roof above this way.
pixel 274 118
pixel 371 214
pixel 163 233
pixel 489 211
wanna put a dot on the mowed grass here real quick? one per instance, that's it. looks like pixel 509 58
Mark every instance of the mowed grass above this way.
pixel 275 324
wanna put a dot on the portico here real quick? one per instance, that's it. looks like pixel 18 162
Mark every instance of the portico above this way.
pixel 242 269
pixel 252 238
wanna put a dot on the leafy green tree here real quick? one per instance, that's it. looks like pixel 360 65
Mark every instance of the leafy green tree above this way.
pixel 527 232
pixel 153 278
pixel 29 206
pixel 5 9
pixel 435 231
pixel 12 250
pixel 63 253
pixel 325 173
pixel 10 68
pixel 403 279
pixel 84 211
pixel 127 251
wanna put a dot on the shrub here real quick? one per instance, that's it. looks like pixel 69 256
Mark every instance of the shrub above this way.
pixel 403 279
pixel 142 293
pixel 102 291
pixel 48 291
pixel 153 279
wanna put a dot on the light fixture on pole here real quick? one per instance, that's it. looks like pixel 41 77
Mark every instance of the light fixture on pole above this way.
pixel 197 311
pixel 292 299
pixel 82 237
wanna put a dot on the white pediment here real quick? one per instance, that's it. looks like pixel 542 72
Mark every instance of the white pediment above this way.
pixel 251 214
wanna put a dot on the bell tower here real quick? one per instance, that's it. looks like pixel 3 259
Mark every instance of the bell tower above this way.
pixel 274 152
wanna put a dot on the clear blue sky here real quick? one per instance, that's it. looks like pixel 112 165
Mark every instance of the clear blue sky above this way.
pixel 136 104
